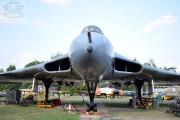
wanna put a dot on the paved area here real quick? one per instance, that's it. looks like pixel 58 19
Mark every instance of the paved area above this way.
pixel 113 113
pixel 117 109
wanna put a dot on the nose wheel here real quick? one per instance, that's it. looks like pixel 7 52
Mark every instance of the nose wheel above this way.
pixel 92 107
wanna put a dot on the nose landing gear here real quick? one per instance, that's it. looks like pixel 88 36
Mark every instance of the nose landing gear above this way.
pixel 92 107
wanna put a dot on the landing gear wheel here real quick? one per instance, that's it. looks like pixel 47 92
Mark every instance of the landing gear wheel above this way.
pixel 91 107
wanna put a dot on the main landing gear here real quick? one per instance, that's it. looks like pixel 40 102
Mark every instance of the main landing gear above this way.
pixel 47 84
pixel 92 107
pixel 138 85
pixel 143 102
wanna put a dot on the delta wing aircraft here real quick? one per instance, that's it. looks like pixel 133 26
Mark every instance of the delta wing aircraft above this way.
pixel 91 58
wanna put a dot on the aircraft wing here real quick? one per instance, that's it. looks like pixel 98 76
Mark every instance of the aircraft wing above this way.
pixel 25 74
pixel 158 74
pixel 58 68
pixel 127 69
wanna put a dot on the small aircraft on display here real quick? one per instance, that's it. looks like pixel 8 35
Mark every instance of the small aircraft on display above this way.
pixel 91 59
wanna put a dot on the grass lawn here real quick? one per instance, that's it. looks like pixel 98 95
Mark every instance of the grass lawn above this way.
pixel 17 112
pixel 117 108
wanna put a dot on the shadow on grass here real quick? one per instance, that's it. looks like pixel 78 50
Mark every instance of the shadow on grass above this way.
pixel 106 103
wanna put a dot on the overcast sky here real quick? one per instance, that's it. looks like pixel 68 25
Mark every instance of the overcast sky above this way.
pixel 142 29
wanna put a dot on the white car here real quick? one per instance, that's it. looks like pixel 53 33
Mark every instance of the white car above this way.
pixel 105 91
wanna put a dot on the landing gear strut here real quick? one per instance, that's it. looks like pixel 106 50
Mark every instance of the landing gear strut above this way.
pixel 92 107
pixel 47 84
pixel 151 86
pixel 138 85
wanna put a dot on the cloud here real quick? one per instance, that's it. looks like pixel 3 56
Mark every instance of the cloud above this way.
pixel 25 21
pixel 8 20
pixel 36 22
pixel 162 36
pixel 56 2
pixel 163 21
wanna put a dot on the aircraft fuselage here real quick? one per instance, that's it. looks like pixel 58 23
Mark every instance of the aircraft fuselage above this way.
pixel 91 54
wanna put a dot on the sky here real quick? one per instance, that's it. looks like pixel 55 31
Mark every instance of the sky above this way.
pixel 141 29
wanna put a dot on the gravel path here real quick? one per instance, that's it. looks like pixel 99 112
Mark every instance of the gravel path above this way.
pixel 124 113
pixel 117 109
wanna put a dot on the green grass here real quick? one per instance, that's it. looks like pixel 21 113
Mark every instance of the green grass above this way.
pixel 17 112
pixel 117 108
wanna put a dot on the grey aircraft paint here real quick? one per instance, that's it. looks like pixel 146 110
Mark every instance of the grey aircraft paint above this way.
pixel 91 54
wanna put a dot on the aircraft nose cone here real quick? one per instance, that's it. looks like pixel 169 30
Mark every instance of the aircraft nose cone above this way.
pixel 89 49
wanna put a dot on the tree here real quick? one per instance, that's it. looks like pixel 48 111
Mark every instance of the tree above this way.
pixel 151 63
pixel 136 60
pixel 171 69
pixel 57 55
pixel 35 62
pixel 11 67
pixel 25 85
pixel 1 70
pixel 5 86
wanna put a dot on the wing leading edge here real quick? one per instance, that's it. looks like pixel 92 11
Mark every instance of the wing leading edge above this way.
pixel 160 74
pixel 128 69
pixel 58 68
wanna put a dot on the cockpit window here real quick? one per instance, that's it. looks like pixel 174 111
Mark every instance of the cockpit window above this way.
pixel 92 28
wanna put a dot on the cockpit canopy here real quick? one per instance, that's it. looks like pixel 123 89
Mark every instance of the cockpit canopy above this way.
pixel 92 28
